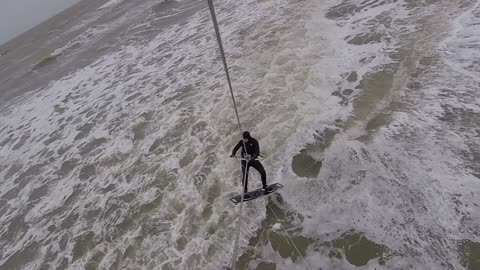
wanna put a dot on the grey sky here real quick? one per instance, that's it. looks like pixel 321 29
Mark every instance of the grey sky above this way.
pixel 18 16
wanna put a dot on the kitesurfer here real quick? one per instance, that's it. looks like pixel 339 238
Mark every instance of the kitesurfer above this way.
pixel 250 156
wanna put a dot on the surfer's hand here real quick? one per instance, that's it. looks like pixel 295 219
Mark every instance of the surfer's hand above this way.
pixel 232 156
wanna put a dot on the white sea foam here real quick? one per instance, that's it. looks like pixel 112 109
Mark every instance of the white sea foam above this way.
pixel 110 3
pixel 400 185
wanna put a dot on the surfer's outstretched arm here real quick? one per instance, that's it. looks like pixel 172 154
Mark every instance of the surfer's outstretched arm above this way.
pixel 235 149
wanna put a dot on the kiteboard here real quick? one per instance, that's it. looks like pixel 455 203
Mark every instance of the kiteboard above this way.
pixel 252 195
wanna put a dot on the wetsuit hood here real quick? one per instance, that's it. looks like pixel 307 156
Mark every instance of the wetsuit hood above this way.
pixel 246 135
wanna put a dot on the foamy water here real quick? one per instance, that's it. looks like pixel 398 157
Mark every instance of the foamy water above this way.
pixel 122 163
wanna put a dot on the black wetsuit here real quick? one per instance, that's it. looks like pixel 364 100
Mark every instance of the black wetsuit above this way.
pixel 253 149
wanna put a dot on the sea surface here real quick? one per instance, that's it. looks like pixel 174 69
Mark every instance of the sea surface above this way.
pixel 116 126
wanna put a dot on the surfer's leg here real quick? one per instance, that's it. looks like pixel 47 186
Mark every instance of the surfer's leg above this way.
pixel 259 167
pixel 245 184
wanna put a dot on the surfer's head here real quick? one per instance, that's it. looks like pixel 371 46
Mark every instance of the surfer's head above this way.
pixel 246 136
